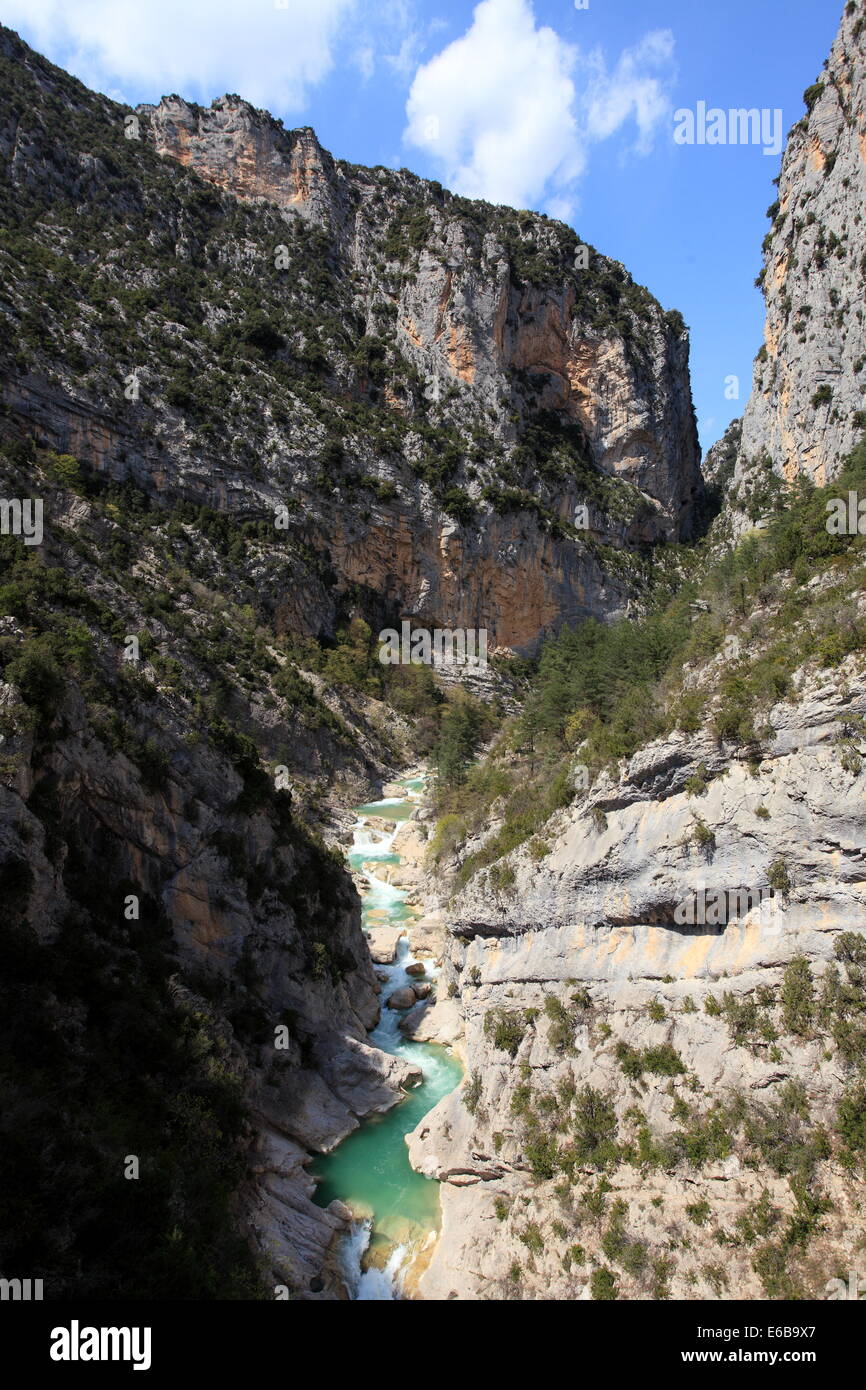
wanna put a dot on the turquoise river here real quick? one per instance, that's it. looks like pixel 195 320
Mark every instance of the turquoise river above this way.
pixel 396 1209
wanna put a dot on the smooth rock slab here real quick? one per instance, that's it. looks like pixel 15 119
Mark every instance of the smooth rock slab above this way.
pixel 382 942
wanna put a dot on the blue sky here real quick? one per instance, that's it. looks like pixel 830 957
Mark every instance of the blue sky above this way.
pixel 536 102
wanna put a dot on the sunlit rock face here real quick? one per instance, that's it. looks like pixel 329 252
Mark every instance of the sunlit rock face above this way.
pixel 630 940
pixel 493 328
pixel 806 410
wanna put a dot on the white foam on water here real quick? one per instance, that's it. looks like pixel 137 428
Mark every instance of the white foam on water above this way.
pixel 369 1285
pixel 380 1285
pixel 370 843
pixel 352 1250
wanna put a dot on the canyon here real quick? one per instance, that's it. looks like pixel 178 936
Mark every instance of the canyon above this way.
pixel 629 1101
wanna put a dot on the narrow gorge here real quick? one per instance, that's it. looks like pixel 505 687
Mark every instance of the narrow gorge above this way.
pixel 538 978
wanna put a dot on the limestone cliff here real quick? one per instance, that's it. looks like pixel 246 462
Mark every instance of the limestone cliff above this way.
pixel 652 1105
pixel 430 387
pixel 808 403
pixel 462 311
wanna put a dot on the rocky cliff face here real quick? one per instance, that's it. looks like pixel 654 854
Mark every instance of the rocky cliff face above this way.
pixel 433 386
pixel 655 962
pixel 170 915
pixel 808 403
pixel 654 1102
pixel 464 314
pixel 212 327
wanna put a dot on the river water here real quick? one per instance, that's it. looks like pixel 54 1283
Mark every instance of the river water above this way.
pixel 397 1209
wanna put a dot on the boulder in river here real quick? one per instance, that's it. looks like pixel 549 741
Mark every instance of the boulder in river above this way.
pixel 422 991
pixel 416 967
pixel 402 998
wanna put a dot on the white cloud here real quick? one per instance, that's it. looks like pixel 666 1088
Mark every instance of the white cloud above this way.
pixel 495 107
pixel 406 59
pixel 562 208
pixel 365 61
pixel 200 48
pixel 510 110
pixel 632 90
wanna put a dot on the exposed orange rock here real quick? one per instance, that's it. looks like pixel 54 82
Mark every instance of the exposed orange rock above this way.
pixel 411 331
pixel 816 155
pixel 456 583
pixel 459 355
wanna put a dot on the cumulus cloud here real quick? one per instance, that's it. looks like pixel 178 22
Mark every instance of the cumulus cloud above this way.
pixel 510 110
pixel 271 53
pixel 495 107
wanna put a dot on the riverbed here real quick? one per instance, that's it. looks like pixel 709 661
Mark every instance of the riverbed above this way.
pixel 396 1209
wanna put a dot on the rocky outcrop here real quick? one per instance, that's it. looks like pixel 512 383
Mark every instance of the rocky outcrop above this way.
pixel 633 853
pixel 249 154
pixel 807 409
pixel 599 1000
pixel 641 989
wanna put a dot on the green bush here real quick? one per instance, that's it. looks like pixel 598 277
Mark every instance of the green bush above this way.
pixel 798 1005
pixel 851 1119
pixel 36 672
pixel 532 1238
pixel 778 876
pixel 699 1212
pixel 450 832
pixel 813 94
pixel 603 1286
pixel 703 836
pixel 471 1093
pixel 660 1061
pixel 506 1028
pixel 560 1032
pixel 663 1060
pixel 595 1128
